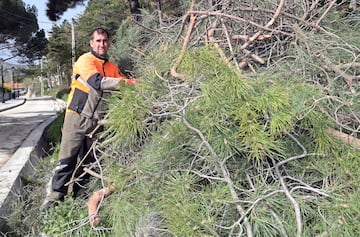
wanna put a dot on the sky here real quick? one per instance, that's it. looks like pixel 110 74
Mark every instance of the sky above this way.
pixel 44 22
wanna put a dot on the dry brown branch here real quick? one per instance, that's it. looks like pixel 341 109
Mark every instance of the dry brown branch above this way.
pixel 222 54
pixel 349 65
pixel 326 12
pixel 94 201
pixel 270 23
pixel 346 138
pixel 246 37
pixel 210 36
pixel 96 175
pixel 243 63
pixel 239 19
pixel 298 19
pixel 174 68
pixel 254 56
pixel 229 44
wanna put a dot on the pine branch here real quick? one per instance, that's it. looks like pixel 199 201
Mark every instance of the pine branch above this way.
pixel 225 174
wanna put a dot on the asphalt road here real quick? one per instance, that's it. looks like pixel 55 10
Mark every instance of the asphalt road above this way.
pixel 17 123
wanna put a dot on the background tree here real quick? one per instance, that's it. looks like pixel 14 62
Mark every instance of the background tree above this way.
pixel 55 9
pixel 135 9
pixel 59 50
pixel 19 30
pixel 18 21
pixel 104 13
pixel 35 47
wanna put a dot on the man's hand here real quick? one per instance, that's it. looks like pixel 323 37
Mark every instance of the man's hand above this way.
pixel 131 81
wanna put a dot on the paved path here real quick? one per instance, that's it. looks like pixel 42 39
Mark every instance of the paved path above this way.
pixel 22 125
pixel 18 118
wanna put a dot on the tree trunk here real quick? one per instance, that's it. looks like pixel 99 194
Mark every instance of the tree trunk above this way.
pixel 135 9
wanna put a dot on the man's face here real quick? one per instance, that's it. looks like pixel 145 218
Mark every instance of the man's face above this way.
pixel 100 43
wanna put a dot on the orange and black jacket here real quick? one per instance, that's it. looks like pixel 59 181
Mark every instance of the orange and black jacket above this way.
pixel 92 75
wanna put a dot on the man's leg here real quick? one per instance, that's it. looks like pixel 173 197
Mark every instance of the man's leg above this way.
pixel 86 157
pixel 73 135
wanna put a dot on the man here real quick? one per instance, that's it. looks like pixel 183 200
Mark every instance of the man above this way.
pixel 93 73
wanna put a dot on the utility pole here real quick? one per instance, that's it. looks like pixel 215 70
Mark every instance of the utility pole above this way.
pixel 12 83
pixel 2 81
pixel 72 42
pixel 41 77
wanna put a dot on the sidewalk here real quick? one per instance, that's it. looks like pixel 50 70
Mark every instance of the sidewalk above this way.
pixel 38 113
pixel 11 103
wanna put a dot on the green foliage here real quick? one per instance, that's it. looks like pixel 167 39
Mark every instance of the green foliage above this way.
pixel 24 220
pixel 207 62
pixel 186 214
pixel 131 36
pixel 168 182
pixel 69 218
pixel 169 8
pixel 54 131
pixel 59 46
pixel 242 118
pixel 128 111
pixel 56 220
pixel 127 218
pixel 340 213
pixel 259 112
pixel 62 92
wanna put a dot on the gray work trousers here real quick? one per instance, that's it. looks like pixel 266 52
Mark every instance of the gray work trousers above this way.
pixel 74 145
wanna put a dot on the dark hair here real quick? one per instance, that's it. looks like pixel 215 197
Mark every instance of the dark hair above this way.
pixel 100 31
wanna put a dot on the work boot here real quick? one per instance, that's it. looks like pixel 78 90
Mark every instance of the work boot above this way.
pixel 51 197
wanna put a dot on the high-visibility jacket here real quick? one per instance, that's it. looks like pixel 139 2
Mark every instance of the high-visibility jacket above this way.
pixel 92 75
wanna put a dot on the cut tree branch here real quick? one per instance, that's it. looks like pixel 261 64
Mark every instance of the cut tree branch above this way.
pixel 94 203
pixel 174 68
pixel 346 138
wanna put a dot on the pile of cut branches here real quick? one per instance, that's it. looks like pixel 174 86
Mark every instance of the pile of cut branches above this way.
pixel 243 144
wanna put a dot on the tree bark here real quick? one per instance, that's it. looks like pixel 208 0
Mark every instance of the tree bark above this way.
pixel 135 9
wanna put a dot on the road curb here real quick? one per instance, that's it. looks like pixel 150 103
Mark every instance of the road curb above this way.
pixel 21 102
pixel 22 163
